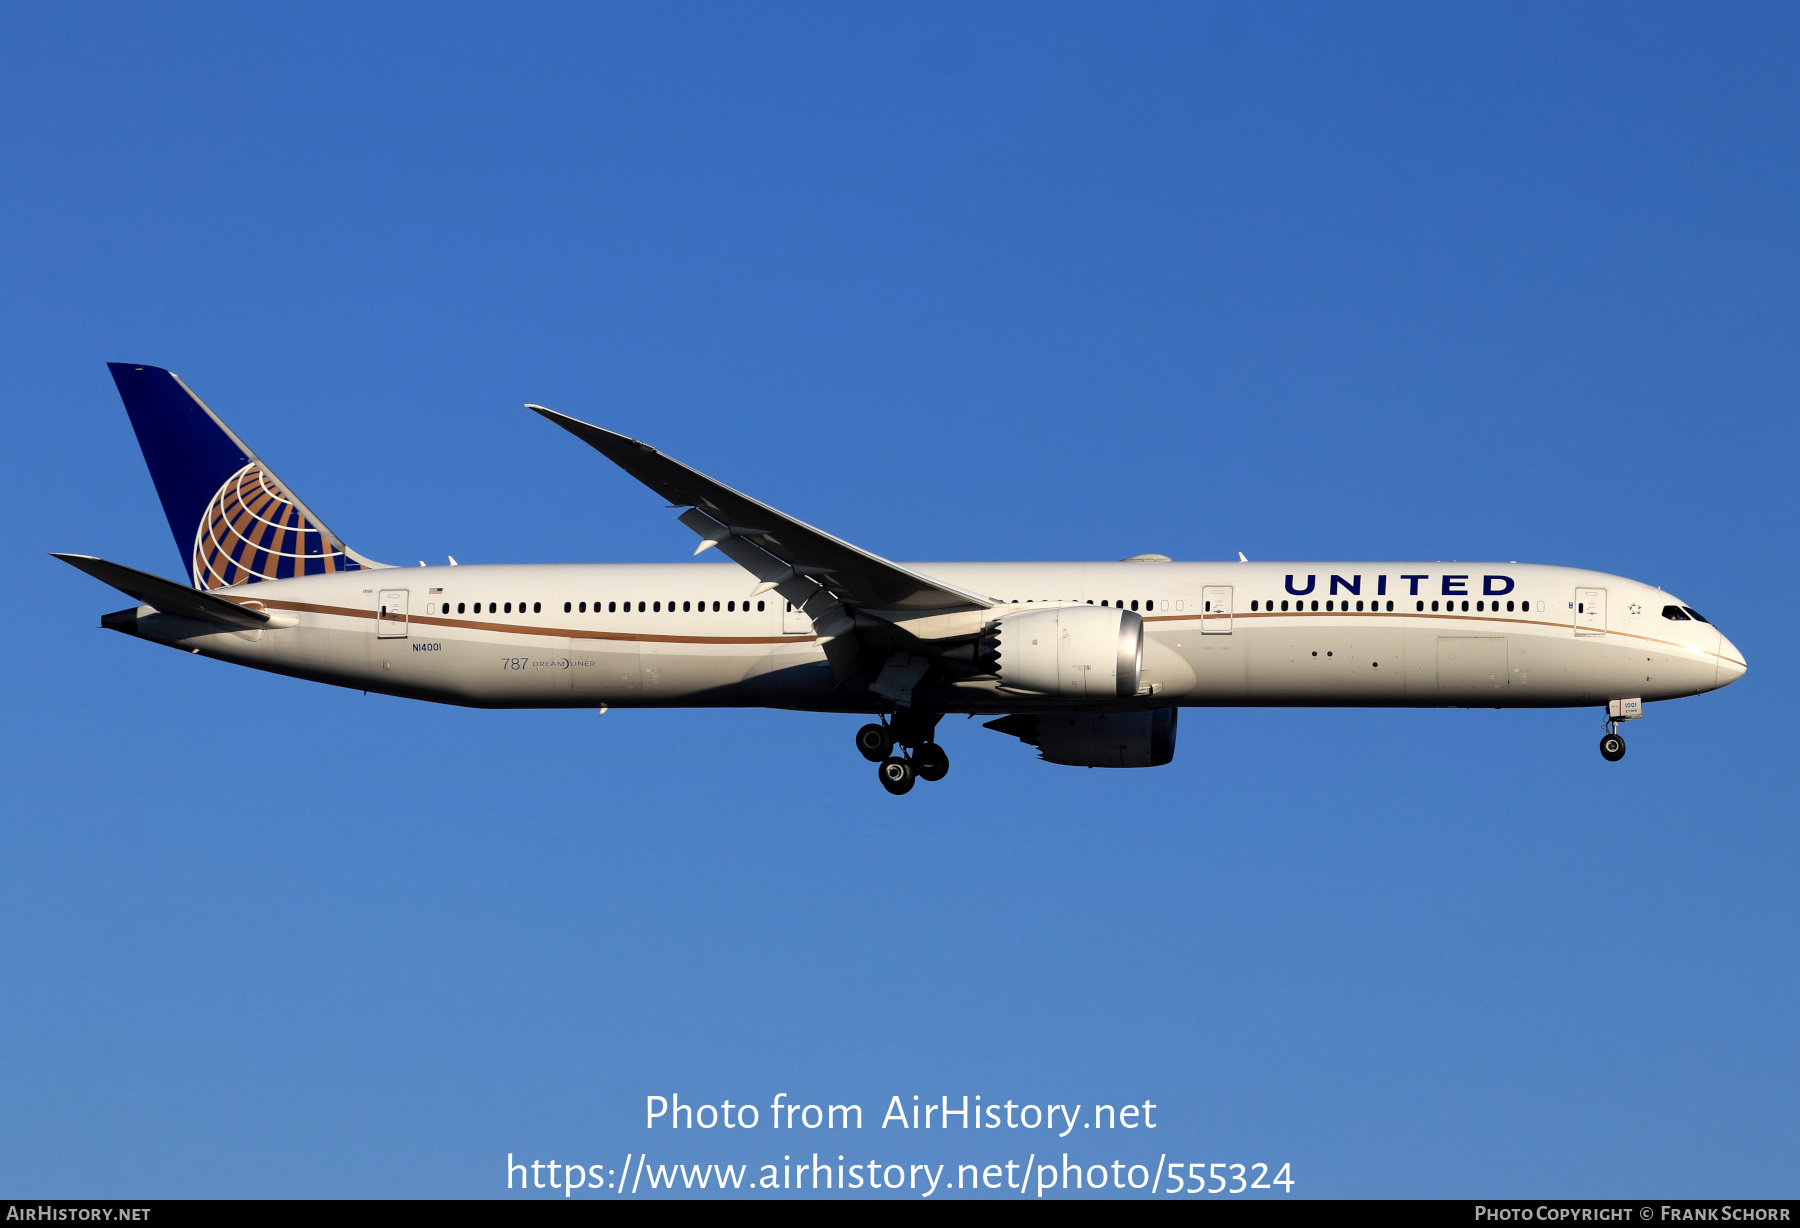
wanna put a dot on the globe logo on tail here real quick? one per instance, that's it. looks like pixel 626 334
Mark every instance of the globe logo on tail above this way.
pixel 253 530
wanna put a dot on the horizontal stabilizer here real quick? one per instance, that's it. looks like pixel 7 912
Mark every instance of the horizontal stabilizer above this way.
pixel 168 596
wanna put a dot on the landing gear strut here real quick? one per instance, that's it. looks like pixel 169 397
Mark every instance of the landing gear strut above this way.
pixel 910 731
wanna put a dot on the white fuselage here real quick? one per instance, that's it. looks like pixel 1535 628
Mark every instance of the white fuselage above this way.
pixel 1301 634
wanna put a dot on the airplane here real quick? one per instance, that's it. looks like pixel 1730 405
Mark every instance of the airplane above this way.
pixel 1088 663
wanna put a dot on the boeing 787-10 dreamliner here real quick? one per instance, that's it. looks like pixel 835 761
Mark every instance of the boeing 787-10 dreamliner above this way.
pixel 1088 662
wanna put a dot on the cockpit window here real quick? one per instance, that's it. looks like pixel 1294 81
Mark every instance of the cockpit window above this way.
pixel 1696 615
pixel 1674 614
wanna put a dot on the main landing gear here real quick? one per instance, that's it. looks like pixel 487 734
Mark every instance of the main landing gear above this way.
pixel 910 731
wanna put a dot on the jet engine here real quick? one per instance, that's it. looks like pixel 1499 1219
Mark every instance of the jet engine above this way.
pixel 1096 739
pixel 1070 652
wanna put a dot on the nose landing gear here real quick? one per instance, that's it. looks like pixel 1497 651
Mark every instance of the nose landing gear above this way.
pixel 1612 746
pixel 911 731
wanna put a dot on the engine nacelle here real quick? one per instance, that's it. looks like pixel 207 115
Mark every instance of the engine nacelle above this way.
pixel 1071 652
pixel 1096 739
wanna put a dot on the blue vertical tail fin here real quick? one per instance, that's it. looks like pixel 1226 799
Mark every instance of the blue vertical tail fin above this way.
pixel 234 521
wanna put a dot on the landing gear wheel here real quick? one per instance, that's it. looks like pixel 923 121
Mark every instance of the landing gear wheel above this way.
pixel 875 742
pixel 930 761
pixel 1612 748
pixel 896 774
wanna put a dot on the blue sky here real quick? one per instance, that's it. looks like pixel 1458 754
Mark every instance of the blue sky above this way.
pixel 1033 282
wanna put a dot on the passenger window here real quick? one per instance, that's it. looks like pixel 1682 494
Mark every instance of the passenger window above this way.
pixel 567 607
pixel 1434 607
pixel 656 607
pixel 1509 607
pixel 715 607
pixel 731 607
pixel 509 607
pixel 759 606
pixel 537 607
pixel 686 608
pixel 1390 606
pixel 1284 607
pixel 1315 605
pixel 611 606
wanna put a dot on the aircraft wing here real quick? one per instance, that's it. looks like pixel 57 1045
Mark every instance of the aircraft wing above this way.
pixel 783 553
pixel 167 596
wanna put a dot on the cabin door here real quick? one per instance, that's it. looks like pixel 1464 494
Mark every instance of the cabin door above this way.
pixel 390 614
pixel 1215 610
pixel 1590 611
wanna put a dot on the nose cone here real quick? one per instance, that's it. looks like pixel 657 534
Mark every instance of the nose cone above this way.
pixel 1731 662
